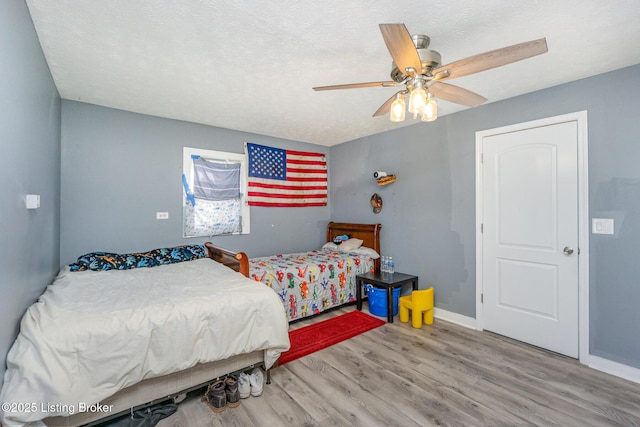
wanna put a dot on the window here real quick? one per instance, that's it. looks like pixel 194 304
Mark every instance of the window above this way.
pixel 214 193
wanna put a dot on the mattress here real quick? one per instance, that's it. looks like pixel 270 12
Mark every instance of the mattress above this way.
pixel 92 333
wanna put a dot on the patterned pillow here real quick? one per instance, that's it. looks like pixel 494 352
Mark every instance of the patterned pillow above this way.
pixel 101 261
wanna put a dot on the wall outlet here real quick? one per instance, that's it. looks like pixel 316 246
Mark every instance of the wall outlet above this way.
pixel 162 215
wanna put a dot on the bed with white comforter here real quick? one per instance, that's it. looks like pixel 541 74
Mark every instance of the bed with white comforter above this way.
pixel 93 333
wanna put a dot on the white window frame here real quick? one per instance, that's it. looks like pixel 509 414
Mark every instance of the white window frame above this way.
pixel 218 156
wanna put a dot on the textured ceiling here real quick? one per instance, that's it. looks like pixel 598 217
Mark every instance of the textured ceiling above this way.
pixel 250 65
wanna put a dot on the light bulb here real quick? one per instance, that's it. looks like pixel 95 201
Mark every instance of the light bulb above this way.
pixel 397 109
pixel 417 100
pixel 430 111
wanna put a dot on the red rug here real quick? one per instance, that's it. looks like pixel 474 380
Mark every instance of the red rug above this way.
pixel 309 339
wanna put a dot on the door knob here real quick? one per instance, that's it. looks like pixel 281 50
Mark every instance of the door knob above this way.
pixel 567 250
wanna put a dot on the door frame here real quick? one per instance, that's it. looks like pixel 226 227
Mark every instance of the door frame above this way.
pixel 580 118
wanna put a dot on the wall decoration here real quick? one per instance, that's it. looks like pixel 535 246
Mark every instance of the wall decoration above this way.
pixel 376 203
pixel 286 178
pixel 387 179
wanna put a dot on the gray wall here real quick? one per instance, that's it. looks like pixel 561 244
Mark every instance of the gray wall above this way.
pixel 120 168
pixel 428 215
pixel 29 164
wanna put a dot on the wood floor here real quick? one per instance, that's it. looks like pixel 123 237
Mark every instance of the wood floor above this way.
pixel 442 374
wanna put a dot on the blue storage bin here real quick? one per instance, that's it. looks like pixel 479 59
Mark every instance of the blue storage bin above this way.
pixel 378 300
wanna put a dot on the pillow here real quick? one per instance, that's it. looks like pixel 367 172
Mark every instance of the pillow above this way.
pixel 101 261
pixel 365 251
pixel 330 246
pixel 349 245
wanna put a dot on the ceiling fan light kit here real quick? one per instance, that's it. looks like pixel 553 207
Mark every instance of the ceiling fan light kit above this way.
pixel 430 111
pixel 418 68
pixel 417 98
pixel 396 113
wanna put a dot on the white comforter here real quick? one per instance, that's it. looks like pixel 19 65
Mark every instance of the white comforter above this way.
pixel 92 334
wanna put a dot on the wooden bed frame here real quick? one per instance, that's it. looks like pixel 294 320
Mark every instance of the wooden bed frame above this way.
pixel 238 261
pixel 368 233
pixel 173 386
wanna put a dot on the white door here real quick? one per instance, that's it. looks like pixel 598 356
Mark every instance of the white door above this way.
pixel 530 235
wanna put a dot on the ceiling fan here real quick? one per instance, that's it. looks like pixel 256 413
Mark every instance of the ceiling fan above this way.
pixel 418 68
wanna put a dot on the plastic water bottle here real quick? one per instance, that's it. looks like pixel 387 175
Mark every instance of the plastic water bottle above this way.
pixel 390 267
pixel 384 264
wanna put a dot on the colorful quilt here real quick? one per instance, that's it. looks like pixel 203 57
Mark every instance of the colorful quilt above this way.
pixel 311 282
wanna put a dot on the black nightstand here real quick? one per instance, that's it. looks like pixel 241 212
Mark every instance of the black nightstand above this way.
pixel 384 280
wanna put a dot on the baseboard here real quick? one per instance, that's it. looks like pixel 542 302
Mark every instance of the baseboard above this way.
pixel 613 368
pixel 458 319
pixel 594 362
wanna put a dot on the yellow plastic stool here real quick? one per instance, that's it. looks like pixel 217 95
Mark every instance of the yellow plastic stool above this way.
pixel 418 302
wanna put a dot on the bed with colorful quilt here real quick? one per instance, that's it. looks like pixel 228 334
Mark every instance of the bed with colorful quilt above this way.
pixel 311 282
pixel 114 332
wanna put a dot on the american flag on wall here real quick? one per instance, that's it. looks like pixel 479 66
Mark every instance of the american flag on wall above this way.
pixel 285 178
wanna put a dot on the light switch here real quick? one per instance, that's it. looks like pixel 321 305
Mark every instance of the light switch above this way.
pixel 162 215
pixel 602 225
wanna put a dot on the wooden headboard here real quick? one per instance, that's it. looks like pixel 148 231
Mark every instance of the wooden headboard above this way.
pixel 368 233
pixel 238 261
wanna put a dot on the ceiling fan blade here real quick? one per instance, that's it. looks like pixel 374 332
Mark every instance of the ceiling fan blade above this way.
pixel 384 108
pixel 492 59
pixel 357 85
pixel 401 47
pixel 456 94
